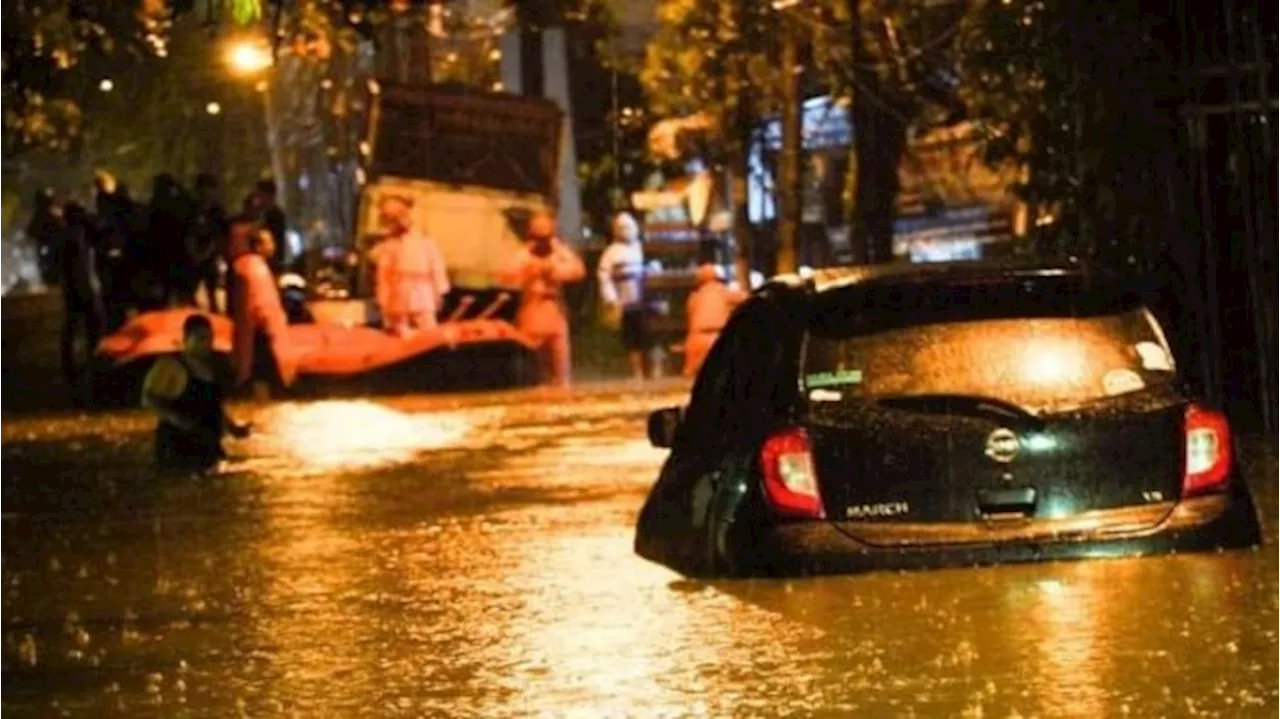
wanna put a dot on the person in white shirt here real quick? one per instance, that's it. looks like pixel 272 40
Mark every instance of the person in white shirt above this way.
pixel 412 279
pixel 621 276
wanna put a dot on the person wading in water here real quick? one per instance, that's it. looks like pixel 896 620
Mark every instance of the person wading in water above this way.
pixel 541 268
pixel 185 392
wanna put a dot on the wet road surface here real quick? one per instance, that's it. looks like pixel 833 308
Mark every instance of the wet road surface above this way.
pixel 432 557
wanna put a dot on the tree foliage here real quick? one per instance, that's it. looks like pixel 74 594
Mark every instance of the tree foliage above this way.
pixel 156 117
pixel 1084 101
pixel 714 57
pixel 897 69
pixel 47 43
pixel 893 61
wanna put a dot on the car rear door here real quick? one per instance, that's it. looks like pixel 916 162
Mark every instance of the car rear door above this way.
pixel 953 447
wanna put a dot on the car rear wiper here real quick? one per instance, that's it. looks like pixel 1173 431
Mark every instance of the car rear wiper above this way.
pixel 1110 399
pixel 961 404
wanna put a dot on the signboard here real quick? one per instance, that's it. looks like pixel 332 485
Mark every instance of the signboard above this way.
pixel 944 169
pixel 464 138
pixel 951 204
pixel 952 234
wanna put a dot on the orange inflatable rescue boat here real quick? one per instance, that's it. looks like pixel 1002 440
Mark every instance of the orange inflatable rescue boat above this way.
pixel 456 354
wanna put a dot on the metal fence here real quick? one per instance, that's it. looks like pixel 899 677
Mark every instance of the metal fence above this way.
pixel 1229 52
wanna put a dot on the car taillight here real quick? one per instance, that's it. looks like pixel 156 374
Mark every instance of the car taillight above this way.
pixel 790 483
pixel 1208 452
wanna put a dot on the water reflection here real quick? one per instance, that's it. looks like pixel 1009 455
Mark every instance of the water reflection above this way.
pixel 414 559
pixel 351 435
pixel 1067 625
pixel 311 566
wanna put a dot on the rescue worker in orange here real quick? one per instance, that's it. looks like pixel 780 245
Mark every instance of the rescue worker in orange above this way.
pixel 541 268
pixel 412 280
pixel 708 310
pixel 260 320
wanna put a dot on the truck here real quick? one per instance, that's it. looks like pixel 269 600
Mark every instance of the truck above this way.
pixel 478 165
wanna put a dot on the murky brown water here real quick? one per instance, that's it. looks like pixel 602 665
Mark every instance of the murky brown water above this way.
pixel 420 558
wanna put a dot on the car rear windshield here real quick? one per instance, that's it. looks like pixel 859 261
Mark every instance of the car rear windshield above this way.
pixel 1048 345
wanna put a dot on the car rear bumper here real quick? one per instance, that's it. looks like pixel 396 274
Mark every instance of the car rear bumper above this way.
pixel 819 547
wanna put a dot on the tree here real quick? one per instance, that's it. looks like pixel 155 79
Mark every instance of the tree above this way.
pixel 700 61
pixel 1088 103
pixel 610 110
pixel 711 58
pixel 46 43
pixel 156 116
pixel 895 63
pixel 1083 101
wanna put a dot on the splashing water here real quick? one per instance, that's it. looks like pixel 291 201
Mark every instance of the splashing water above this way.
pixel 351 434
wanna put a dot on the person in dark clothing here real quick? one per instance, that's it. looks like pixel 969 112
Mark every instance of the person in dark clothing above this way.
pixel 261 205
pixel 83 314
pixel 119 249
pixel 169 218
pixel 44 229
pixel 206 238
pixel 186 393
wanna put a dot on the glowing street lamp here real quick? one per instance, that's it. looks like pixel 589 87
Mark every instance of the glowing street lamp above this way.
pixel 248 58
pixel 213 108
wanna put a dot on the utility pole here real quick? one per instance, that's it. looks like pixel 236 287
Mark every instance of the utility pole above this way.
pixel 745 122
pixel 858 240
pixel 789 161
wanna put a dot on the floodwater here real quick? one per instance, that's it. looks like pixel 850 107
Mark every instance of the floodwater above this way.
pixel 428 557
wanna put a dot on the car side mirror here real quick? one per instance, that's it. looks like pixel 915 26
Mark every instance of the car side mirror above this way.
pixel 663 425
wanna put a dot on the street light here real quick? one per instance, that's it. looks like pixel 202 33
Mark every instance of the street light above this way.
pixel 248 58
pixel 213 108
pixel 106 85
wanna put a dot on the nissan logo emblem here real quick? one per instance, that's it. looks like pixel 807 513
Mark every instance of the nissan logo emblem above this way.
pixel 1002 445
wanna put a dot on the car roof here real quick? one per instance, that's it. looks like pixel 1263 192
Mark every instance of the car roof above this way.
pixel 837 278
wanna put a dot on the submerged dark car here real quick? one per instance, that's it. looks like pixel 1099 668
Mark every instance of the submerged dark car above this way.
pixel 909 416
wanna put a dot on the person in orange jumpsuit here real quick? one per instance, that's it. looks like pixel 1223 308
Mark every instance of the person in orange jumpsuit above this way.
pixel 412 280
pixel 708 310
pixel 540 269
pixel 259 317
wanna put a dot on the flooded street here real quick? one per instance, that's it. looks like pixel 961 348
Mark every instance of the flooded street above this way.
pixel 433 557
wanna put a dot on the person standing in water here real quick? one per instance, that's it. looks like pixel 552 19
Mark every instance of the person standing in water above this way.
pixel 263 207
pixel 83 312
pixel 257 312
pixel 708 310
pixel 412 279
pixel 621 277
pixel 540 269
pixel 185 392
pixel 205 239
pixel 43 230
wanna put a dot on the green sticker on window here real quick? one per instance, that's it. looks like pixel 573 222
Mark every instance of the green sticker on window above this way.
pixel 833 379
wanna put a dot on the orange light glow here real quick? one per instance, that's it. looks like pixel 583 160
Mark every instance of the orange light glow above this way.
pixel 333 435
pixel 1053 362
pixel 246 57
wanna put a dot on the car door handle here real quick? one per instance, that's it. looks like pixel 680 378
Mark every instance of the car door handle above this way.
pixel 994 503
